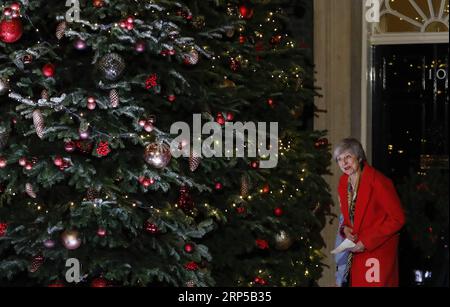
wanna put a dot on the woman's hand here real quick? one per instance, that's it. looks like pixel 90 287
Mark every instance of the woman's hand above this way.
pixel 359 248
pixel 348 231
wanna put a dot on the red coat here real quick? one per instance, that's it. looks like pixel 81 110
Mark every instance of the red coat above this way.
pixel 378 218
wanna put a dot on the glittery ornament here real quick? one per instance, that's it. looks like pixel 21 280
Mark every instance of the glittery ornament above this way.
pixel 38 121
pixel 111 66
pixel 157 155
pixel 11 30
pixel 191 58
pixel 91 194
pixel 103 148
pixel 185 201
pixel 150 227
pixel 191 266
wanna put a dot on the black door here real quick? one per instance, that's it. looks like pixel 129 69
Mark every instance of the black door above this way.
pixel 410 137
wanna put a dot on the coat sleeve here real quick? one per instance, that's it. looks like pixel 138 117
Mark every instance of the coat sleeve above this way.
pixel 393 220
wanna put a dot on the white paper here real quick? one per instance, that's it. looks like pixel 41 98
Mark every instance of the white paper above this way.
pixel 345 245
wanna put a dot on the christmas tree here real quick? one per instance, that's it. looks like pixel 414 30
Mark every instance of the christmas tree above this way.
pixel 89 93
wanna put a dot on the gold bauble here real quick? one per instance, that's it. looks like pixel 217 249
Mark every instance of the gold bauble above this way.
pixel 283 241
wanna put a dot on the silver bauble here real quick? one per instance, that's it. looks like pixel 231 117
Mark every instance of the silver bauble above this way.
pixel 71 239
pixel 157 155
pixel 4 86
pixel 111 66
pixel 283 241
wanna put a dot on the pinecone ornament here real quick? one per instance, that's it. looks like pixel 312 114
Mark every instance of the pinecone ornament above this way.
pixel 244 186
pixel 194 162
pixel 60 29
pixel 4 136
pixel 92 194
pixel 44 94
pixel 30 191
pixel 38 121
pixel 36 263
pixel 114 98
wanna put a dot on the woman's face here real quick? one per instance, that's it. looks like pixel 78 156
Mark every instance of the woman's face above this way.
pixel 348 163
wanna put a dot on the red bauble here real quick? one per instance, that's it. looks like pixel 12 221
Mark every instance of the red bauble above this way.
pixel 101 232
pixel 220 119
pixel 188 248
pixel 98 3
pixel 28 166
pixel 146 182
pixel 191 266
pixel 56 284
pixel 70 146
pixel 255 164
pixel 235 65
pixel 260 281
pixel 218 186
pixel 148 127
pixel 245 11
pixel 3 162
pixel 270 102
pixel 3 228
pixel 22 161
pixel 150 227
pixel 266 188
pixel 262 244
pixel 15 6
pixel 11 30
pixel 240 210
pixel 278 211
pixel 171 98
pixel 242 39
pixel 99 282
pixel 58 161
pixel 230 116
pixel 48 70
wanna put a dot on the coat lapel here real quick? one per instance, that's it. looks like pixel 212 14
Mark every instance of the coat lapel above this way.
pixel 364 194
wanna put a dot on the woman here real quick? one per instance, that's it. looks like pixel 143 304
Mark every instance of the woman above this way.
pixel 373 217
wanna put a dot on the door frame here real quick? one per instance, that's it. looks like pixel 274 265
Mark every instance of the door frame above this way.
pixel 370 39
